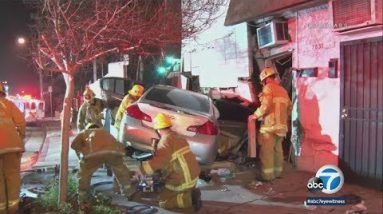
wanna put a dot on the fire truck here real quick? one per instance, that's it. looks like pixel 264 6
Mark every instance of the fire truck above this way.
pixel 33 109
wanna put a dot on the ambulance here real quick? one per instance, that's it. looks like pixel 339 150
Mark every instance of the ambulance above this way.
pixel 33 109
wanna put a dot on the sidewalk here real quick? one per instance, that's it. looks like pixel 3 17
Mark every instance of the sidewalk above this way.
pixel 238 194
pixel 50 154
pixel 33 146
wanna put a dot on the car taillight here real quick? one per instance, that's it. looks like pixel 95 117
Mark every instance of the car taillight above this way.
pixel 207 128
pixel 135 112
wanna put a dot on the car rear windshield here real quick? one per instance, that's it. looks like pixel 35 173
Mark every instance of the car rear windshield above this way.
pixel 180 98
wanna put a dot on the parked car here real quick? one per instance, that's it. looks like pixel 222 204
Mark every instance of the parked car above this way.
pixel 111 90
pixel 193 115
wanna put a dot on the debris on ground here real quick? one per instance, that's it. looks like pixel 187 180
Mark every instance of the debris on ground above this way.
pixel 255 184
pixel 201 183
pixel 222 172
pixel 204 175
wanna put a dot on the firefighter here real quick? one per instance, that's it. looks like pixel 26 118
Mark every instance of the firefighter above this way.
pixel 94 147
pixel 274 112
pixel 173 155
pixel 12 132
pixel 133 95
pixel 90 111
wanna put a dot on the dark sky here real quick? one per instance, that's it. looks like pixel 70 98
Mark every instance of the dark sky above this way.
pixel 14 22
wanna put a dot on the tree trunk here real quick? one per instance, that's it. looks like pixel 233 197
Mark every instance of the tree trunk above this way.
pixel 65 130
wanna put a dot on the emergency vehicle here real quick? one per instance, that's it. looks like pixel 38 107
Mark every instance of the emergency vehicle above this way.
pixel 33 109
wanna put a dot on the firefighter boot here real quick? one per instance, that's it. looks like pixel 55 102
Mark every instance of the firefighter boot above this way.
pixel 196 199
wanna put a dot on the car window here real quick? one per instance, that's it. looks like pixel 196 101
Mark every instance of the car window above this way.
pixel 180 98
pixel 33 106
pixel 120 89
pixel 41 106
pixel 108 84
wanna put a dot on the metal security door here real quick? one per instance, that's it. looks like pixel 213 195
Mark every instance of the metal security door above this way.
pixel 361 131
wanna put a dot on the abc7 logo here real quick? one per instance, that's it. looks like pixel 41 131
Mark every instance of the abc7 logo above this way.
pixel 315 185
pixel 329 179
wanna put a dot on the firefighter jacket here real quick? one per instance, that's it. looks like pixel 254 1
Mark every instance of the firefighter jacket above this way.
pixel 173 155
pixel 90 112
pixel 12 127
pixel 95 142
pixel 125 103
pixel 274 110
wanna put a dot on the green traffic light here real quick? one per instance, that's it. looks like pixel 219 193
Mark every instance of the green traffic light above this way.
pixel 161 70
pixel 170 60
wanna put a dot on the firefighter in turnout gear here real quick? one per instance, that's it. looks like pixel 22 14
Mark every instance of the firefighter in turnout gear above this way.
pixel 274 113
pixel 94 147
pixel 12 132
pixel 90 111
pixel 133 95
pixel 175 159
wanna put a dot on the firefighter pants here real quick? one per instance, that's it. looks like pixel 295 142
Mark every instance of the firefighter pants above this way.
pixel 89 165
pixel 9 182
pixel 169 199
pixel 270 155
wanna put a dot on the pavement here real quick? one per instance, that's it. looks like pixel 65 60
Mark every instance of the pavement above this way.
pixel 237 193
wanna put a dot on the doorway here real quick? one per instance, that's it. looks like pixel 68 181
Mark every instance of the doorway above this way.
pixel 361 112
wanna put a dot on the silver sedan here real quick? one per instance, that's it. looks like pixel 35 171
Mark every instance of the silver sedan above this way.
pixel 193 116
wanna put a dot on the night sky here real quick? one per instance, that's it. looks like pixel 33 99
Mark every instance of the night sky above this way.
pixel 20 73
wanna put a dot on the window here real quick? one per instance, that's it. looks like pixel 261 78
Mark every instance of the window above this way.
pixel 41 106
pixel 120 88
pixel 33 105
pixel 180 98
pixel 107 84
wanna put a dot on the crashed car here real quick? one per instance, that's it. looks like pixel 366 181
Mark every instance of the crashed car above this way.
pixel 193 115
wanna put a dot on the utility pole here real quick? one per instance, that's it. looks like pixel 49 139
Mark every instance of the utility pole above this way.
pixel 50 99
pixel 94 70
pixel 41 84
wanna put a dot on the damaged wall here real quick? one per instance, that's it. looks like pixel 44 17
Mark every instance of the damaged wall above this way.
pixel 313 44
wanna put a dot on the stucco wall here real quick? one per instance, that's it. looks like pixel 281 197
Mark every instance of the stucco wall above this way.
pixel 313 44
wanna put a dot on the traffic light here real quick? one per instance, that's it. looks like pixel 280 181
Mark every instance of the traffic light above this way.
pixel 169 64
pixel 161 70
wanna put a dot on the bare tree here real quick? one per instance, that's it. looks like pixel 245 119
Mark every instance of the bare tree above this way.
pixel 72 33
pixel 199 15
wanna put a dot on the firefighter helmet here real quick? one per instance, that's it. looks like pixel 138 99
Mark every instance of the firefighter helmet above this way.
pixel 267 72
pixel 92 126
pixel 137 90
pixel 88 93
pixel 162 121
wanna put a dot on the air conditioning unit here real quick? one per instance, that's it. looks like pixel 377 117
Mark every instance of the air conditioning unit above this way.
pixel 353 14
pixel 272 34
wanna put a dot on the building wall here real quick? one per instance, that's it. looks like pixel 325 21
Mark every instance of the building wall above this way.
pixel 218 55
pixel 313 44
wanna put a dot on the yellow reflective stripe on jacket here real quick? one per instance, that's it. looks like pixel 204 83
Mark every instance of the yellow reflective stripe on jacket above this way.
pixel 182 151
pixel 183 186
pixel 180 200
pixel 147 168
pixel 11 203
pixel 180 156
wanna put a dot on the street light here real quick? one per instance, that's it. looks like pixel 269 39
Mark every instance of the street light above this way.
pixel 21 40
